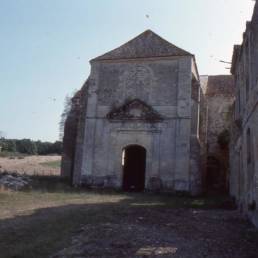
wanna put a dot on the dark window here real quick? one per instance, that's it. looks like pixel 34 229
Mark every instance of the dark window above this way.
pixel 247 82
pixel 239 102
pixel 248 142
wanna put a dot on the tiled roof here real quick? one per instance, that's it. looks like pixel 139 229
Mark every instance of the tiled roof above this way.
pixel 146 45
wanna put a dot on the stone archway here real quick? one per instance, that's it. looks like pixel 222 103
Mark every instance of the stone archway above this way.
pixel 134 164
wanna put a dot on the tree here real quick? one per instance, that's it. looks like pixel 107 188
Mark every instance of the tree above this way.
pixel 8 145
pixel 67 109
pixel 26 146
pixel 57 147
pixel 43 148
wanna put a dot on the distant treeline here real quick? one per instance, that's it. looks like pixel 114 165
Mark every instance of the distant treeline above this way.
pixel 27 146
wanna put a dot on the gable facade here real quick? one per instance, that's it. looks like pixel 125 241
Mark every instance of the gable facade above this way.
pixel 151 101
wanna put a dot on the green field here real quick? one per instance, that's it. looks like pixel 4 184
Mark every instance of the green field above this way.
pixel 52 164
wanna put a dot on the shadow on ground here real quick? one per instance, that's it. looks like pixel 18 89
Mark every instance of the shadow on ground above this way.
pixel 76 223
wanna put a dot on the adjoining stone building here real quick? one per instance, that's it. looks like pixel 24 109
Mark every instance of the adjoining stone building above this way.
pixel 244 131
pixel 134 125
pixel 218 97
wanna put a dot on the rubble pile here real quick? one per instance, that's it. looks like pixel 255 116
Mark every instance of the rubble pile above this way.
pixel 13 181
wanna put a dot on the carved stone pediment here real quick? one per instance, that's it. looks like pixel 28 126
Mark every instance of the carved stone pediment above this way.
pixel 135 110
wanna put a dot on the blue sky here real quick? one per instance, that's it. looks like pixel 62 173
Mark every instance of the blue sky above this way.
pixel 45 47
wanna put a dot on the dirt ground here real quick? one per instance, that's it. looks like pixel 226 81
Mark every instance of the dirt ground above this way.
pixel 162 232
pixel 78 223
pixel 32 165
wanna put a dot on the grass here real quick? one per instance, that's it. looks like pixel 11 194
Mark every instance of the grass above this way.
pixel 52 164
pixel 40 221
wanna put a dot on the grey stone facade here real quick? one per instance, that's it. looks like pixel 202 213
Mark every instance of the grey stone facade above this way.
pixel 144 93
pixel 244 128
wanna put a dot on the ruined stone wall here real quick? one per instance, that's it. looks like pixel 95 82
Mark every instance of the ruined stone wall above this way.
pixel 80 133
pixel 218 94
pixel 219 97
pixel 70 135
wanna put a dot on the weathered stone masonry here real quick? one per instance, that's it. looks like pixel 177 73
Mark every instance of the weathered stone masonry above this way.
pixel 244 127
pixel 218 97
pixel 144 93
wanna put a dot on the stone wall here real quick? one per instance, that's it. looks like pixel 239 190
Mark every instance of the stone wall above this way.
pixel 218 92
pixel 70 135
pixel 244 129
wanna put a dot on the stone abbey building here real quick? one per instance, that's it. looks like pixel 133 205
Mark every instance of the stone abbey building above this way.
pixel 134 125
pixel 146 120
pixel 142 119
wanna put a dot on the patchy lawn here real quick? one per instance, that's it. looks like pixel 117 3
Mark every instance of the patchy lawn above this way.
pixel 57 220
pixel 52 164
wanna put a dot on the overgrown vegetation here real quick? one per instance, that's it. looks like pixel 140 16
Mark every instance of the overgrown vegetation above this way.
pixel 29 147
pixel 67 109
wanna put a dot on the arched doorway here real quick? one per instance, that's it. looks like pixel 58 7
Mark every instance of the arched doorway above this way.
pixel 134 162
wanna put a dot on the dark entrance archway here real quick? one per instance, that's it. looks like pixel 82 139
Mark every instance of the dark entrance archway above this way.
pixel 216 179
pixel 134 162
